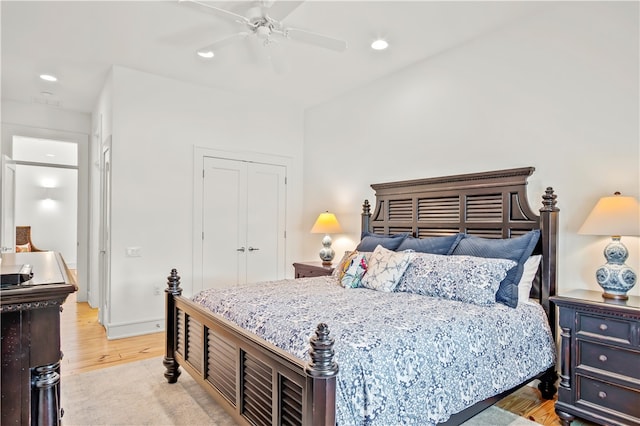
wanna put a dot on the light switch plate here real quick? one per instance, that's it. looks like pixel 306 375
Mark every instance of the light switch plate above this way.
pixel 134 252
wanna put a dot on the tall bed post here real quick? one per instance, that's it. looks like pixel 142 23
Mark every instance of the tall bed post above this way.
pixel 549 239
pixel 366 216
pixel 173 289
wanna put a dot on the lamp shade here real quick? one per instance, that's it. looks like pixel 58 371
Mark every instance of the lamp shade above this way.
pixel 615 215
pixel 326 224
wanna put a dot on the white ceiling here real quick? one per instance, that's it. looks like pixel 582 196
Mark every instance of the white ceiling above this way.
pixel 78 41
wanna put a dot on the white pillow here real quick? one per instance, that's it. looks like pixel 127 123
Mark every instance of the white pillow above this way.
pixel 526 281
pixel 385 268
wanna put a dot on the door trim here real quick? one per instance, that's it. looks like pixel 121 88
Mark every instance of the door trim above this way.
pixel 199 154
pixel 8 216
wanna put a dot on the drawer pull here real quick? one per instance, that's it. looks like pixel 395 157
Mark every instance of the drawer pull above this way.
pixel 602 394
pixel 603 327
pixel 602 358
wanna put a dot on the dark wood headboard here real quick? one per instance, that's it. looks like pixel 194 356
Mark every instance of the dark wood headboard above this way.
pixel 488 204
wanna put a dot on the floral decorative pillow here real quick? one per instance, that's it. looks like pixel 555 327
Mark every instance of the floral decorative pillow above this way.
pixel 343 265
pixel 345 262
pixel 385 269
pixel 464 278
pixel 355 271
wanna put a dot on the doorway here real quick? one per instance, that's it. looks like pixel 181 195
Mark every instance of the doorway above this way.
pixel 46 193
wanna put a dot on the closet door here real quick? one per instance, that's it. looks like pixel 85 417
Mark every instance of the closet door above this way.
pixel 243 221
pixel 265 222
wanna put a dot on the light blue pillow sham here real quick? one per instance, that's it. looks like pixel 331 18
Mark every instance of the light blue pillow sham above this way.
pixel 517 249
pixel 464 278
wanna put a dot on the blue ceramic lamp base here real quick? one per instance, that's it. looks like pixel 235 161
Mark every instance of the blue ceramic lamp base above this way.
pixel 327 253
pixel 615 277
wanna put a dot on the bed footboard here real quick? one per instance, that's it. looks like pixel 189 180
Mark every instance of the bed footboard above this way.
pixel 256 382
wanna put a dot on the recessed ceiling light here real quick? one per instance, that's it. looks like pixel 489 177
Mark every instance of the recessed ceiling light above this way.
pixel 207 54
pixel 48 77
pixel 379 44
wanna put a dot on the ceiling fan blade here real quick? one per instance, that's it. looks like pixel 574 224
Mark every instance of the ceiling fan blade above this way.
pixel 223 42
pixel 279 10
pixel 315 39
pixel 215 10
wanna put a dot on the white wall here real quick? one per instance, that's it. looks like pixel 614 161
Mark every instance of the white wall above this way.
pixel 51 213
pixel 156 124
pixel 558 91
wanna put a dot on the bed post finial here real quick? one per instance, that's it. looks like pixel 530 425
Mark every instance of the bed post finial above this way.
pixel 321 379
pixel 322 363
pixel 173 289
pixel 549 200
pixel 366 217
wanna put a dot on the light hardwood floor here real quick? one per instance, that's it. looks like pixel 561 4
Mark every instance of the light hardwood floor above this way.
pixel 86 348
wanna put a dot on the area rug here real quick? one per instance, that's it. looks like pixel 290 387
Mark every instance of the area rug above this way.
pixel 138 394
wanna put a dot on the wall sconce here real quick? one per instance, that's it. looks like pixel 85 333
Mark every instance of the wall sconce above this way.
pixel 327 223
pixel 614 216
pixel 47 194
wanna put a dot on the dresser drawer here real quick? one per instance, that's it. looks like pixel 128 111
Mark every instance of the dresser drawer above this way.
pixel 608 397
pixel 610 359
pixel 607 328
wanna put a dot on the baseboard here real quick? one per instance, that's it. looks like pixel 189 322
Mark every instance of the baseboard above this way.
pixel 131 329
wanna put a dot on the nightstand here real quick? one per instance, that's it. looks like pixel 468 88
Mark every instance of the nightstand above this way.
pixel 312 269
pixel 599 358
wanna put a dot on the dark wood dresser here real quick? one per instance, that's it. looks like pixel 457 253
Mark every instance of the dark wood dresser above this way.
pixel 31 339
pixel 312 269
pixel 599 358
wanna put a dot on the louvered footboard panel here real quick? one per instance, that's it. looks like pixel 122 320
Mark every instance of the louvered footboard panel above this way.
pixel 259 388
pixel 180 333
pixel 290 402
pixel 222 365
pixel 194 345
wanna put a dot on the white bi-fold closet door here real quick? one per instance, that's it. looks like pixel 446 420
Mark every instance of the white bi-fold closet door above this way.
pixel 243 222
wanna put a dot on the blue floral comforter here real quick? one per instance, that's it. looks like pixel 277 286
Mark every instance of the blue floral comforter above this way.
pixel 404 359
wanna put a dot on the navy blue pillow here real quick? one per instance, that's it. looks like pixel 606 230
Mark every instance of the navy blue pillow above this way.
pixel 518 249
pixel 370 241
pixel 433 245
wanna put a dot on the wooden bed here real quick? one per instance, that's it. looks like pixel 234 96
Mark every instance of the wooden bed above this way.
pixel 259 383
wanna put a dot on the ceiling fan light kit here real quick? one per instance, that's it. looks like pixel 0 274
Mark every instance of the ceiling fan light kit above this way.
pixel 259 24
pixel 206 54
pixel 379 44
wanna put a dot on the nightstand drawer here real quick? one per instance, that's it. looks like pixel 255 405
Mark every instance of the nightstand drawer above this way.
pixel 310 272
pixel 608 397
pixel 604 327
pixel 610 359
pixel 312 269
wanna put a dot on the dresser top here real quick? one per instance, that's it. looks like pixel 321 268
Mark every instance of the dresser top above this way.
pixel 51 279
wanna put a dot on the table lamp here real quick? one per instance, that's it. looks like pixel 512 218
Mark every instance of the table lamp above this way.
pixel 614 216
pixel 326 224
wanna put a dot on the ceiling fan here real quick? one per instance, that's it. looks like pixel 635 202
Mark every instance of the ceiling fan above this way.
pixel 269 31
